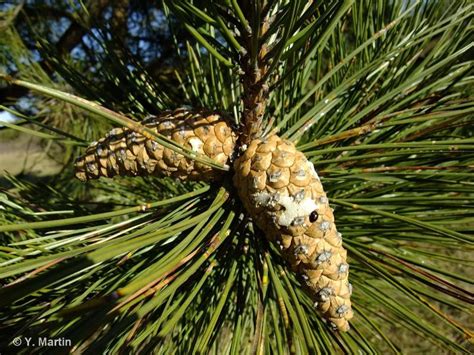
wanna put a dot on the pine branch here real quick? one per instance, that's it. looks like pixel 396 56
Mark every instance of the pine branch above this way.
pixel 378 97
pixel 254 68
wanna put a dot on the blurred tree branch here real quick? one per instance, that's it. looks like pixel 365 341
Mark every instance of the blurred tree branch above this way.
pixel 119 19
pixel 70 38
pixel 76 31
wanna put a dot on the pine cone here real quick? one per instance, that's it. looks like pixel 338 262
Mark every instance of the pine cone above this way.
pixel 126 152
pixel 282 192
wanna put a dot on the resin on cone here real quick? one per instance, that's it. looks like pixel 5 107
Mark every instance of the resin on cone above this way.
pixel 282 192
pixel 126 152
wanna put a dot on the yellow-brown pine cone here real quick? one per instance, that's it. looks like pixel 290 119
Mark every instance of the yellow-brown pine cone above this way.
pixel 125 152
pixel 282 192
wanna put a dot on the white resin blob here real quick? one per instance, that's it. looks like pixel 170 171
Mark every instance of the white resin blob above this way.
pixel 292 208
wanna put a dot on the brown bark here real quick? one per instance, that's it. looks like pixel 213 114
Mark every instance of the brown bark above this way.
pixel 255 89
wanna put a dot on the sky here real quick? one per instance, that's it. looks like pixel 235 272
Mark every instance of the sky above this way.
pixel 6 117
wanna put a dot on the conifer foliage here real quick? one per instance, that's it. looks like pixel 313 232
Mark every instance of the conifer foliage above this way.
pixel 219 229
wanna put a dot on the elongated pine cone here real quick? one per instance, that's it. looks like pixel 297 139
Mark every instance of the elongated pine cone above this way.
pixel 126 152
pixel 282 192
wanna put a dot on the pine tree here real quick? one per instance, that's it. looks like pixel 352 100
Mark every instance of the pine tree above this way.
pixel 372 104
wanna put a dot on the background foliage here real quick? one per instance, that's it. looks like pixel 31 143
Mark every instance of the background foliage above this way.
pixel 378 95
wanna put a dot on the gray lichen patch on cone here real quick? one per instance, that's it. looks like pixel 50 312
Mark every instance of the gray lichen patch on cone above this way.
pixel 125 152
pixel 282 192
